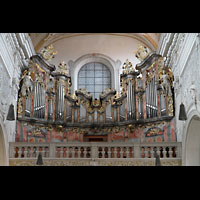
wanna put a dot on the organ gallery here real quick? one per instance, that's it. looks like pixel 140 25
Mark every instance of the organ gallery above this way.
pixel 48 111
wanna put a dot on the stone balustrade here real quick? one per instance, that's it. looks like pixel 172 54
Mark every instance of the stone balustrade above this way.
pixel 92 150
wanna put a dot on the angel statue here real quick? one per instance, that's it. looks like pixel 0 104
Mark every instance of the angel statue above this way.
pixel 165 83
pixel 27 85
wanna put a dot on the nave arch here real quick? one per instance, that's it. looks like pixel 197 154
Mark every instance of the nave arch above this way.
pixel 3 153
pixel 191 139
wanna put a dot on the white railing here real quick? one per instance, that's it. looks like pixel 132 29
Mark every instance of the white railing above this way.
pixel 94 150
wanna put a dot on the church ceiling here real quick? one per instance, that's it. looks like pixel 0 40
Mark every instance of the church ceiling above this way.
pixel 40 40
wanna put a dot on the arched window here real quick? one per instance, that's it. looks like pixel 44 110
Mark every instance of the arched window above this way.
pixel 95 78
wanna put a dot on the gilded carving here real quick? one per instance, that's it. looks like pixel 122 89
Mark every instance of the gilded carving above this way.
pixel 127 67
pixel 48 53
pixel 63 69
pixel 142 52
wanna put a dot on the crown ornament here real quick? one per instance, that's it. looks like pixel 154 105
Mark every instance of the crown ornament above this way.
pixel 142 52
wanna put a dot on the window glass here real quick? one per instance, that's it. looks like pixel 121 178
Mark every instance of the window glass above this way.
pixel 95 78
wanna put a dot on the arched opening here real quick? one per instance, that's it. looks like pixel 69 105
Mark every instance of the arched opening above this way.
pixel 95 78
pixel 3 160
pixel 113 67
pixel 192 145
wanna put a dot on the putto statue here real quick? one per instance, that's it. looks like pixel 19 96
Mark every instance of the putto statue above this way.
pixel 142 52
pixel 48 53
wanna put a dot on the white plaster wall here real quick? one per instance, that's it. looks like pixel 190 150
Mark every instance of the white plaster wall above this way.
pixel 12 57
pixel 115 46
pixel 183 56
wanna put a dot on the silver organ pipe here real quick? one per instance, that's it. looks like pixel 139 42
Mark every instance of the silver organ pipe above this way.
pixel 162 105
pixel 28 106
pixel 63 101
pixel 133 102
pixel 43 102
pixel 35 100
pixel 122 112
pixel 128 106
pixel 50 109
pixel 60 102
pixel 151 99
pixel 147 100
pixel 57 102
pixel 130 99
pixel 39 101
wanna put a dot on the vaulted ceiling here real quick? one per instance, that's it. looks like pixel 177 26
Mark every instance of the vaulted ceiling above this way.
pixel 40 40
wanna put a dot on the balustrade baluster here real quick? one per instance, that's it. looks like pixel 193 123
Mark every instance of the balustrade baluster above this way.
pixel 121 152
pixel 161 152
pixel 152 152
pixel 19 152
pixel 118 152
pixel 31 152
pixel 37 151
pixel 79 152
pixel 164 152
pixel 67 152
pixel 57 153
pixel 25 152
pixel 103 152
pixel 170 152
pixel 148 152
pixel 41 151
pixel 84 152
pixel 15 152
pixel 158 151
pixel 145 152
pixel 73 152
pixel 109 152
pixel 127 152
pixel 61 152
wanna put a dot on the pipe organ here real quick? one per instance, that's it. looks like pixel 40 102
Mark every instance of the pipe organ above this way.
pixel 143 105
